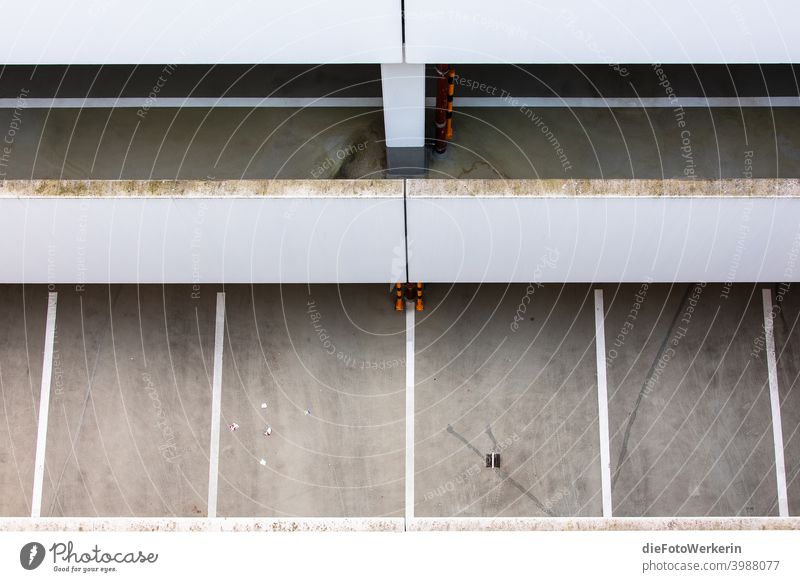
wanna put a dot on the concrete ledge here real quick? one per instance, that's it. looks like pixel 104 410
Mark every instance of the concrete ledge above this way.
pixel 396 524
pixel 602 524
pixel 755 188
pixel 190 524
pixel 303 189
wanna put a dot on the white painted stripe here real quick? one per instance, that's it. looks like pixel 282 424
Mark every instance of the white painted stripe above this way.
pixel 775 404
pixel 300 102
pixel 44 405
pixel 620 102
pixel 409 411
pixel 602 400
pixel 188 102
pixel 216 407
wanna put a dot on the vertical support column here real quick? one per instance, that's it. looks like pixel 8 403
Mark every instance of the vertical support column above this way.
pixel 216 407
pixel 409 414
pixel 404 118
pixel 775 404
pixel 44 405
pixel 602 400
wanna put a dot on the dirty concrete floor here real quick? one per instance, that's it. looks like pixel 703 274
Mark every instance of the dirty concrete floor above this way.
pixel 786 307
pixel 507 369
pixel 689 408
pixel 349 143
pixel 128 431
pixel 22 321
pixel 329 364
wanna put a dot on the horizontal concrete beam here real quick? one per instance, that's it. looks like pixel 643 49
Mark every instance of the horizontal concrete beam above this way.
pixel 341 231
pixel 603 230
pixel 201 232
pixel 612 31
pixel 198 31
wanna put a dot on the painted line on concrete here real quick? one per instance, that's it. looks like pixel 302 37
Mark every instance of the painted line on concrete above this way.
pixel 409 505
pixel 623 102
pixel 775 404
pixel 602 400
pixel 189 102
pixel 44 405
pixel 377 102
pixel 216 407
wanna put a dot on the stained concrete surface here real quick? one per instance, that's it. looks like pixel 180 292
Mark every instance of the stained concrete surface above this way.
pixel 786 320
pixel 128 431
pixel 23 311
pixel 689 409
pixel 349 143
pixel 329 362
pixel 198 144
pixel 507 369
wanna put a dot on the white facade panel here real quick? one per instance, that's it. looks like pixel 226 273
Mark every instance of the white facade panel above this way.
pixel 200 31
pixel 198 240
pixel 608 239
pixel 607 31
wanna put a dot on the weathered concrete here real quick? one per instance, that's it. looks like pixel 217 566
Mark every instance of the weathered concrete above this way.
pixel 203 144
pixel 604 524
pixel 510 369
pixel 689 403
pixel 622 143
pixel 598 188
pixel 22 321
pixel 328 362
pixel 199 524
pixel 490 143
pixel 786 320
pixel 128 433
pixel 280 189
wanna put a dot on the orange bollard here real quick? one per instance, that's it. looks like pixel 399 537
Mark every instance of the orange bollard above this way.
pixel 399 302
pixel 419 304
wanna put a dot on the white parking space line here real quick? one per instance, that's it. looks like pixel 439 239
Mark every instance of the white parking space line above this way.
pixel 409 413
pixel 44 405
pixel 602 400
pixel 775 404
pixel 216 407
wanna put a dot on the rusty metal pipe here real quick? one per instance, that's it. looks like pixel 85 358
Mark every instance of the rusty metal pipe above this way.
pixel 440 114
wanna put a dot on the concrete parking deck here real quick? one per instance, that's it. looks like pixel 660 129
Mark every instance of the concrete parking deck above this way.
pixel 499 368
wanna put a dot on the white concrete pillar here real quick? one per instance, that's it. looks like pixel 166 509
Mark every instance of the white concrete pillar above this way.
pixel 404 117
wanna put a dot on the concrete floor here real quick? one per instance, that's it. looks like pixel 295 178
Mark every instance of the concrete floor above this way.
pixel 128 431
pixel 337 353
pixel 22 321
pixel 348 143
pixel 689 409
pixel 526 389
pixel 786 303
